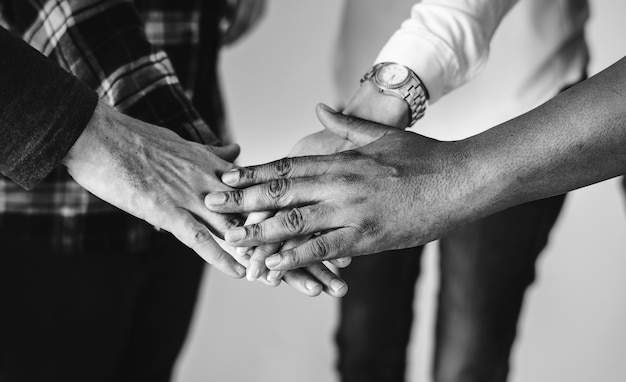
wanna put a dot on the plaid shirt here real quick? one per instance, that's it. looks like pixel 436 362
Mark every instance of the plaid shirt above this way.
pixel 127 51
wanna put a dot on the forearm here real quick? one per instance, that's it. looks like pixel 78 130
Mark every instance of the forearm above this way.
pixel 446 42
pixel 43 110
pixel 104 44
pixel 577 139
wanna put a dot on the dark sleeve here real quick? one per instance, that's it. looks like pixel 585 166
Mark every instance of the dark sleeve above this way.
pixel 43 110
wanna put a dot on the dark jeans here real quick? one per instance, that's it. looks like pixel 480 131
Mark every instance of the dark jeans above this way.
pixel 96 317
pixel 486 267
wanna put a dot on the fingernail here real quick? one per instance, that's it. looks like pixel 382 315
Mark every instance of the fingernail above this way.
pixel 231 177
pixel 254 272
pixel 327 108
pixel 215 199
pixel 242 250
pixel 235 234
pixel 240 270
pixel 272 261
pixel 337 285
pixel 274 275
pixel 312 286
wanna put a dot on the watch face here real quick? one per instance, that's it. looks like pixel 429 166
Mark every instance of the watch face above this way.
pixel 392 75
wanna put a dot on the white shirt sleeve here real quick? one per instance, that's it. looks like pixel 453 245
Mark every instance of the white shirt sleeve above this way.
pixel 446 42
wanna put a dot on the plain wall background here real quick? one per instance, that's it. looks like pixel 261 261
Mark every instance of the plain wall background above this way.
pixel 572 326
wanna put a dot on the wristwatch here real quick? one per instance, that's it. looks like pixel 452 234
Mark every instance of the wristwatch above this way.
pixel 399 81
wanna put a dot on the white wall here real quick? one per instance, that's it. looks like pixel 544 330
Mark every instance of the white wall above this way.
pixel 572 323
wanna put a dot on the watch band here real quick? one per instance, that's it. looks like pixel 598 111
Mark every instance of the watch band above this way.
pixel 412 91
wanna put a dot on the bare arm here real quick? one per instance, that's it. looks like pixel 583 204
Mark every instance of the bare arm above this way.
pixel 404 190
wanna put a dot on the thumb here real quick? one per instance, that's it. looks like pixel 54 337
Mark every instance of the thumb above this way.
pixel 358 131
pixel 228 153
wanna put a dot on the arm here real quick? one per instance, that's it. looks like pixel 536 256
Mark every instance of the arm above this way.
pixel 43 110
pixel 445 42
pixel 103 44
pixel 373 199
pixel 47 117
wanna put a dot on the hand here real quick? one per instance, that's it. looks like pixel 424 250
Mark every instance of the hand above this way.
pixel 304 280
pixel 367 103
pixel 400 191
pixel 153 174
pixel 310 280
pixel 241 17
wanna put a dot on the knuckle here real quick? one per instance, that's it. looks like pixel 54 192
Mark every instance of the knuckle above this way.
pixel 293 221
pixel 200 234
pixel 254 231
pixel 291 259
pixel 368 227
pixel 234 222
pixel 283 167
pixel 234 197
pixel 277 189
pixel 217 258
pixel 319 248
pixel 247 174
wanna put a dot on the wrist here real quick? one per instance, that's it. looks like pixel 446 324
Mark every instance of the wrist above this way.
pixel 484 175
pixel 85 144
pixel 370 104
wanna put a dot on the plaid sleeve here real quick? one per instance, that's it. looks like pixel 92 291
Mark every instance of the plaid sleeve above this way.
pixel 103 43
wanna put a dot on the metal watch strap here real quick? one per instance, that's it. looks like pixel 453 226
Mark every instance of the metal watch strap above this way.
pixel 414 94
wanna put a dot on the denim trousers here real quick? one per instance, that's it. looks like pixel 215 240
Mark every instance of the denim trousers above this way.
pixel 98 317
pixel 485 269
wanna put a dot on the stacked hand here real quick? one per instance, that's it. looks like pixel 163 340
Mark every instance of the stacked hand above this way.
pixel 155 175
pixel 398 190
pixel 320 143
pixel 367 103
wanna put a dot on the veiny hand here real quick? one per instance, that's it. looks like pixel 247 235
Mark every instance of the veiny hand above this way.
pixel 241 17
pixel 153 174
pixel 400 191
pixel 367 103
pixel 310 280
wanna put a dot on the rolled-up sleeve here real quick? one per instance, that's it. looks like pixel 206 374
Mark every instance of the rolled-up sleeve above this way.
pixel 446 42
pixel 43 110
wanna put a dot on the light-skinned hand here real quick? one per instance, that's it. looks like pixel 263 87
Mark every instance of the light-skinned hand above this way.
pixel 155 175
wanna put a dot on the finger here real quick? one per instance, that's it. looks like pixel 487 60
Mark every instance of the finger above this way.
pixel 276 194
pixel 198 237
pixel 264 279
pixel 228 152
pixel 291 243
pixel 218 223
pixel 256 267
pixel 296 222
pixel 332 284
pixel 341 262
pixel 333 244
pixel 275 275
pixel 358 131
pixel 303 282
pixel 281 169
pixel 253 218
